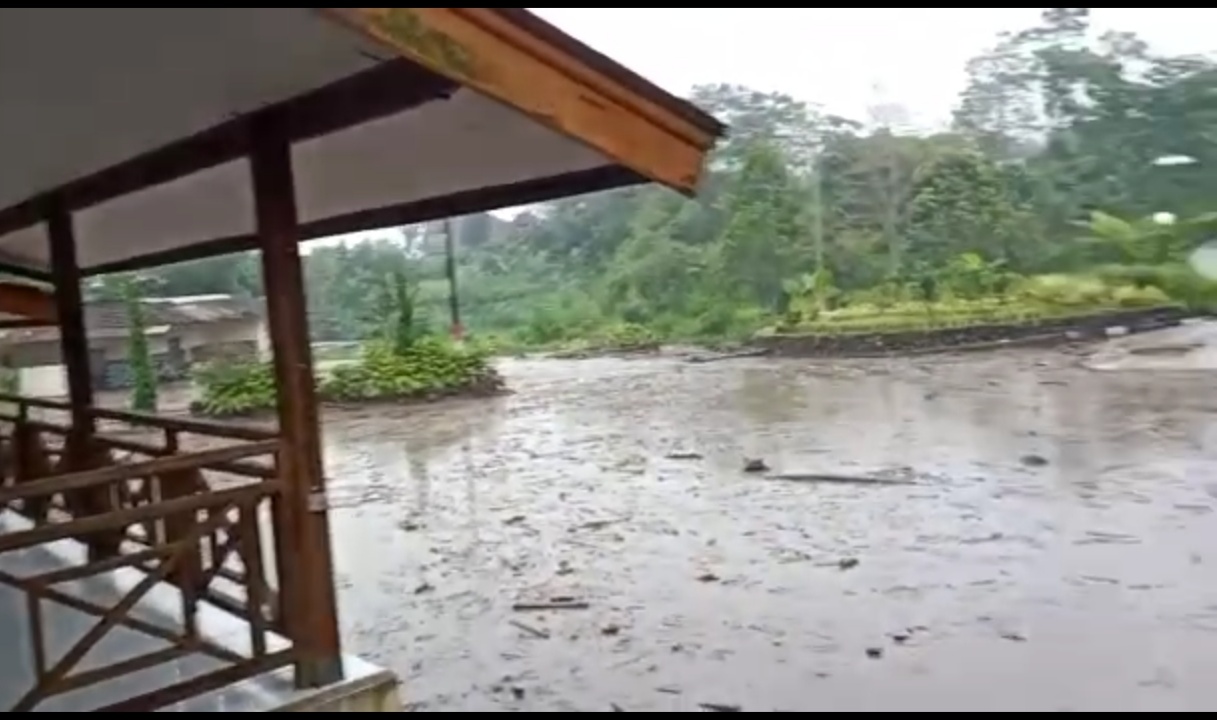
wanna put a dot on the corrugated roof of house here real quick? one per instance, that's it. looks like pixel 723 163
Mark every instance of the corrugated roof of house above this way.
pixel 109 317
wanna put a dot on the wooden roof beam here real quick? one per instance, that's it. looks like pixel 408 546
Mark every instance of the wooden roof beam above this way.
pixel 513 56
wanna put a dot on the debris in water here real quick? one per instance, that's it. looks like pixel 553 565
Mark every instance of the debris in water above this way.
pixel 610 630
pixel 842 479
pixel 754 352
pixel 1014 637
pixel 755 465
pixel 684 456
pixel 556 604
pixel 535 632
pixel 597 524
pixel 707 578
pixel 1033 460
pixel 514 520
pixel 874 652
pixel 718 707
pixel 847 563
pixel 424 588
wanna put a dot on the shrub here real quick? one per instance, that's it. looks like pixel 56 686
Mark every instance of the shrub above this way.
pixel 234 388
pixel 429 368
pixel 1036 298
pixel 1184 285
pixel 624 336
pixel 1148 296
pixel 1065 290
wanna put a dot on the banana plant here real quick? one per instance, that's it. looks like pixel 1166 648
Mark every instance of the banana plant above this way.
pixel 1145 241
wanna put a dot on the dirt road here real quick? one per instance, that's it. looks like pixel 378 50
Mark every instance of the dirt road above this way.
pixel 1056 550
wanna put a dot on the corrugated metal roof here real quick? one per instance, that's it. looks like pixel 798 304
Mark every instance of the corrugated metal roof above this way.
pixel 109 318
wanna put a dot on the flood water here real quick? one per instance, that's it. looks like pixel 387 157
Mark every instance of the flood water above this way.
pixel 1081 579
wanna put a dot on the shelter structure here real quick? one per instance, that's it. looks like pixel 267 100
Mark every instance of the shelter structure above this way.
pixel 181 333
pixel 135 137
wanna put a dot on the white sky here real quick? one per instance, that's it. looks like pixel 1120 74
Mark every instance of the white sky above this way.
pixel 838 57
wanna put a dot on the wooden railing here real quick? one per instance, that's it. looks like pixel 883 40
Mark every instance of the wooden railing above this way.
pixel 138 495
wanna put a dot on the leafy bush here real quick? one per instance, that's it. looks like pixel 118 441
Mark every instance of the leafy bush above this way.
pixel 1066 291
pixel 624 336
pixel 1038 298
pixel 1130 296
pixel 1177 281
pixel 234 388
pixel 429 368
pixel 490 344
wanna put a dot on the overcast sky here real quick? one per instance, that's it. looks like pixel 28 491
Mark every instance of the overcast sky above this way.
pixel 841 57
pixel 836 56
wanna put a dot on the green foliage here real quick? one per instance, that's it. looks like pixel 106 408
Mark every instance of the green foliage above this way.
pixel 620 337
pixel 803 214
pixel 625 336
pixel 234 388
pixel 1177 281
pixel 401 330
pixel 143 372
pixel 429 368
pixel 970 276
pixel 1037 299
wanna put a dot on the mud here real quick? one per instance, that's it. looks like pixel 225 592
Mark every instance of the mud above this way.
pixel 1054 551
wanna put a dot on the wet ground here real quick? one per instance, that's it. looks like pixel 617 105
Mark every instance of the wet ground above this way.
pixel 1057 550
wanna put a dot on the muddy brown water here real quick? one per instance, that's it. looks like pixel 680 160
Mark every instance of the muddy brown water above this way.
pixel 1085 584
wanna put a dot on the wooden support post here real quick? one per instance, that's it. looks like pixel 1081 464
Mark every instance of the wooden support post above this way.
pixel 78 449
pixel 73 338
pixel 308 590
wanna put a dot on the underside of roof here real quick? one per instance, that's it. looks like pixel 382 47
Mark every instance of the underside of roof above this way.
pixel 139 121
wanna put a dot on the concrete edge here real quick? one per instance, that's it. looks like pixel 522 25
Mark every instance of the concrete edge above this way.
pixel 379 680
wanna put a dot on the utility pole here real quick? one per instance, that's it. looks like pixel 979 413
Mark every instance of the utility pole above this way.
pixel 454 304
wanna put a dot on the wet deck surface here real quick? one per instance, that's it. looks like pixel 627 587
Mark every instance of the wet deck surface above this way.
pixel 994 583
pixel 64 626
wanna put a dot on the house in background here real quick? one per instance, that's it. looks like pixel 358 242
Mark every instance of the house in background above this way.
pixel 181 332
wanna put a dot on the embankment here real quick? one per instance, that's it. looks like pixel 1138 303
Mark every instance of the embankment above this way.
pixel 1048 332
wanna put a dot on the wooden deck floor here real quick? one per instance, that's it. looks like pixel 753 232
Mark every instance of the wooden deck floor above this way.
pixel 64 625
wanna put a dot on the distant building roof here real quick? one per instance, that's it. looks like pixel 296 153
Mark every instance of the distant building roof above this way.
pixel 185 299
pixel 108 318
pixel 190 309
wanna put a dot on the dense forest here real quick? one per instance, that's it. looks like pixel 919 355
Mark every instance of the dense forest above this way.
pixel 1063 147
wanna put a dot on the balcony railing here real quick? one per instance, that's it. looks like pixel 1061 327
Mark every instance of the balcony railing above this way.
pixel 138 496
